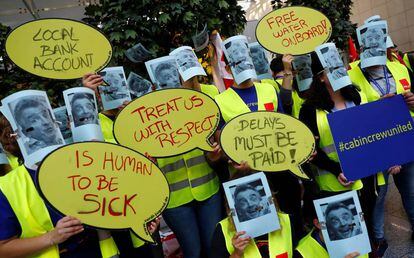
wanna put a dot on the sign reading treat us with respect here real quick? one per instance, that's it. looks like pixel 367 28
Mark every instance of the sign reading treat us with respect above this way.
pixel 168 122
pixel 58 48
pixel 104 185
pixel 268 141
pixel 293 30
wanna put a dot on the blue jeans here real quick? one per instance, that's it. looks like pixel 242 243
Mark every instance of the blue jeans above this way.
pixel 404 181
pixel 194 224
pixel 378 213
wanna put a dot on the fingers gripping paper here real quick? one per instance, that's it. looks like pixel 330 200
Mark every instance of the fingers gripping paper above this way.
pixel 168 122
pixel 58 48
pixel 105 186
pixel 293 30
pixel 268 141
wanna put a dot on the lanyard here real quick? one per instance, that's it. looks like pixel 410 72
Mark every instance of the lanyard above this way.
pixel 376 84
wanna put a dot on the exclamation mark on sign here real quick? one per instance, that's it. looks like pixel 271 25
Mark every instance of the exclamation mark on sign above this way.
pixel 292 155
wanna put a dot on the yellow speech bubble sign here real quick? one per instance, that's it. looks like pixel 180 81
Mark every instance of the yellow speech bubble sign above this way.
pixel 293 30
pixel 58 48
pixel 268 141
pixel 168 122
pixel 105 186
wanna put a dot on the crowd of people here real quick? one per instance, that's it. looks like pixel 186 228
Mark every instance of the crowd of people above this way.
pixel 197 212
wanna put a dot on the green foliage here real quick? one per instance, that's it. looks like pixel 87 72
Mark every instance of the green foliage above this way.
pixel 161 25
pixel 338 12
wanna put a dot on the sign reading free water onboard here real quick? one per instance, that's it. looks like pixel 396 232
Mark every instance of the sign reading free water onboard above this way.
pixel 293 30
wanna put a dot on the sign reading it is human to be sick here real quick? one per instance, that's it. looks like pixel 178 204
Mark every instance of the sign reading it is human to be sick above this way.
pixel 168 122
pixel 293 30
pixel 268 141
pixel 105 186
pixel 58 48
pixel 373 137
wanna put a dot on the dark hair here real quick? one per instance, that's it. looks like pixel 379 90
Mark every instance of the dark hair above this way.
pixel 81 95
pixel 242 188
pixel 276 65
pixel 318 95
pixel 22 105
pixel 335 206
pixel 163 66
pixel 9 143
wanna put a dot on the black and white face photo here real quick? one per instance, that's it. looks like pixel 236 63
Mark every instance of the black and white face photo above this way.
pixel 83 109
pixel 341 219
pixel 373 41
pixel 239 56
pixel 138 86
pixel 261 64
pixel 334 62
pixel 186 60
pixel 303 66
pixel 36 126
pixel 117 88
pixel 250 200
pixel 166 74
pixel 138 53
pixel 201 39
pixel 61 116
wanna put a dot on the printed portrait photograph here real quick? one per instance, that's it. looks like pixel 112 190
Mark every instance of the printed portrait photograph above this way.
pixel 250 200
pixel 138 53
pixel 334 62
pixel 62 118
pixel 164 72
pixel 302 65
pixel 238 55
pixel 260 62
pixel 201 39
pixel 373 41
pixel 342 220
pixel 137 85
pixel 186 59
pixel 37 128
pixel 83 109
pixel 116 91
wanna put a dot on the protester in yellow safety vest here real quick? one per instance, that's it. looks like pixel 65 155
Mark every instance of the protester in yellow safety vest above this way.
pixel 30 228
pixel 249 97
pixel 408 60
pixel 313 244
pixel 195 205
pixel 229 243
pixel 128 243
pixel 381 81
pixel 329 176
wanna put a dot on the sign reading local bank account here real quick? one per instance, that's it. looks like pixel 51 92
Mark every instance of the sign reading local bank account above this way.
pixel 373 137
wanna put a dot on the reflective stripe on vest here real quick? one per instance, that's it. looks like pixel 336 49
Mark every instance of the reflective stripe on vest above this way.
pixel 407 61
pixel 28 206
pixel 209 89
pixel 326 180
pixel 231 105
pixel 308 247
pixel 107 128
pixel 398 71
pixel 280 241
pixel 189 177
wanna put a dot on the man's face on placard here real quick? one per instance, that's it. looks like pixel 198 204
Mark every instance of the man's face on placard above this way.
pixel 38 124
pixel 186 59
pixel 83 110
pixel 373 41
pixel 260 61
pixel 168 77
pixel 248 204
pixel 340 223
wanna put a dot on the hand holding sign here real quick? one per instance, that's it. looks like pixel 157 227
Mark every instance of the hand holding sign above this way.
pixel 268 141
pixel 168 122
pixel 104 185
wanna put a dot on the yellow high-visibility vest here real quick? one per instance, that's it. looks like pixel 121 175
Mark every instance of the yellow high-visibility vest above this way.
pixel 32 214
pixel 231 105
pixel 280 241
